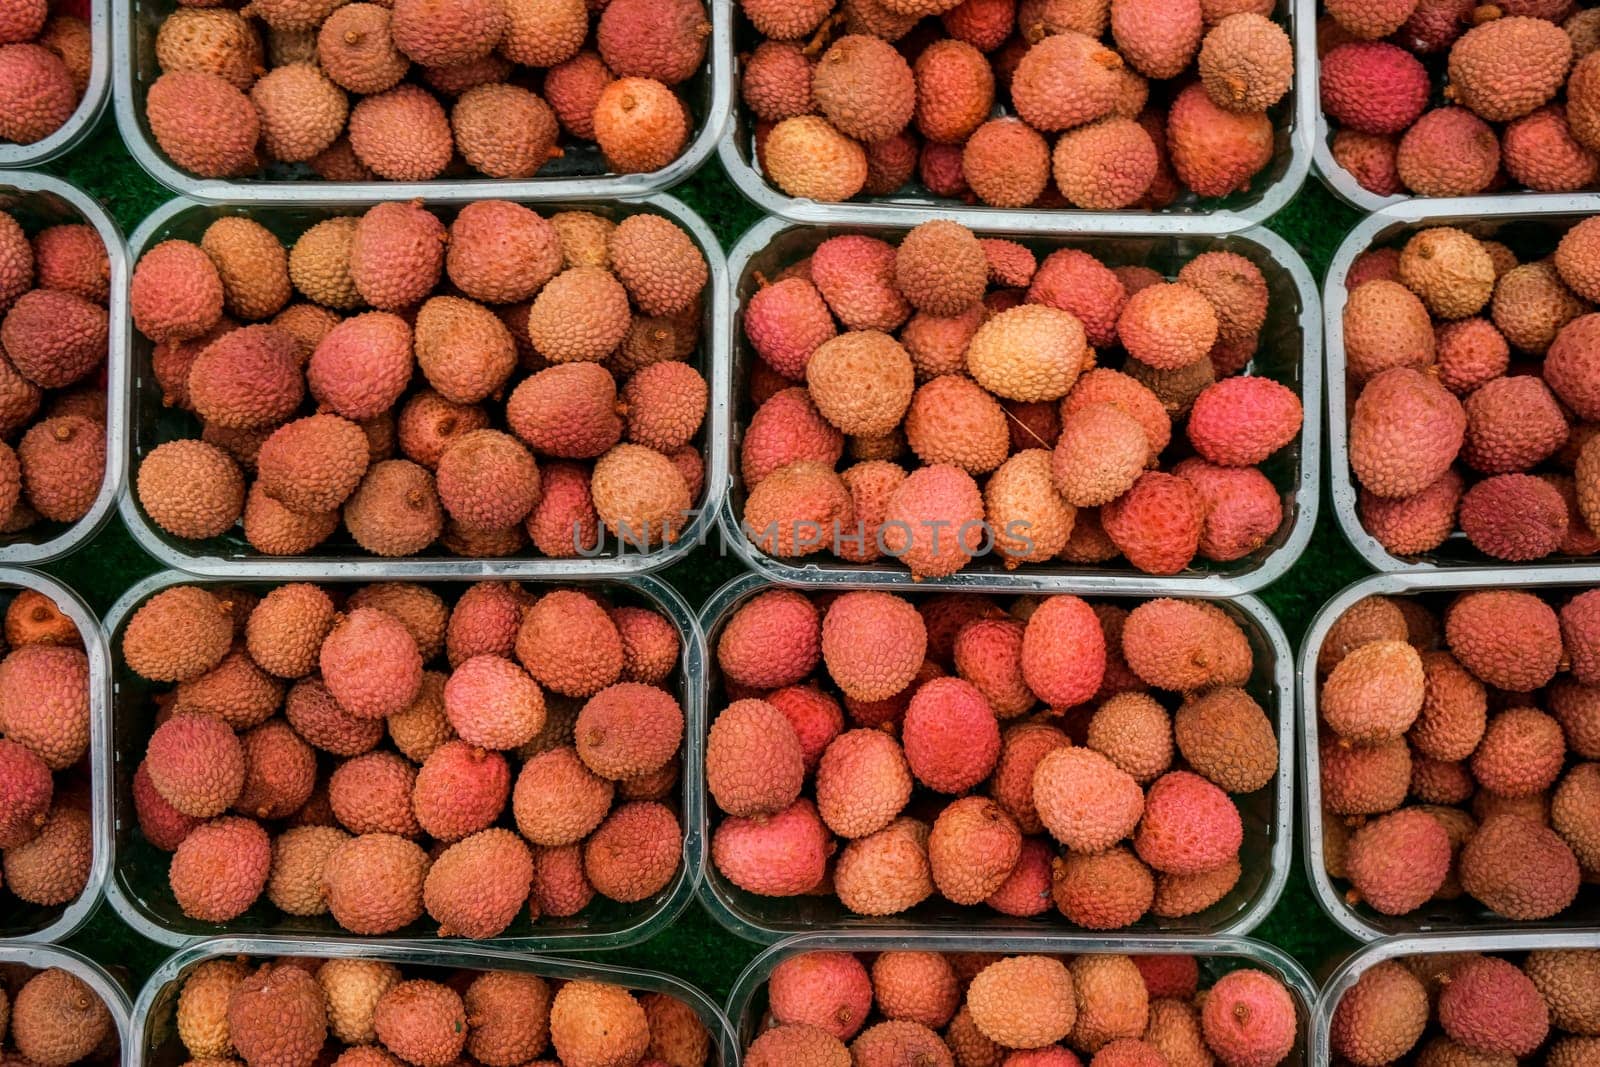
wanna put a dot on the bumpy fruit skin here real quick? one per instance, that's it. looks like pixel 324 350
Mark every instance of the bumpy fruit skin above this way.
pixel 1397 863
pixel 1519 868
pixel 374 883
pixel 754 765
pixel 1404 433
pixel 783 855
pixel 1249 1019
pixel 1240 422
pixel 772 640
pixel 1023 1002
pixel 1449 151
pixel 1492 1007
pixel 1509 639
pixel 1189 826
pixel 220 869
pixel 1216 152
pixel 873 644
pixel 1066 80
pixel 1506 70
pixel 203 123
pixel 1381 1017
pixel 1373 87
pixel 1157 523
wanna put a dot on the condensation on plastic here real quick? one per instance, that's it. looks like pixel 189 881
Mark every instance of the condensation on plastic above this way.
pixel 155 1043
pixel 108 988
pixel 82 121
pixel 151 423
pixel 1348 971
pixel 1342 183
pixel 580 173
pixel 137 885
pixel 1268 814
pixel 747 1002
pixel 1360 920
pixel 37 201
pixel 1291 347
pixel 21 921
pixel 1292 120
pixel 1529 232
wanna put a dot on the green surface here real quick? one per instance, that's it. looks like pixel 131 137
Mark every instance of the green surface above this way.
pixel 695 948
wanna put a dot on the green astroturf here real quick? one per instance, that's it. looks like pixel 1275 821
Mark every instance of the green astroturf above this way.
pixel 695 948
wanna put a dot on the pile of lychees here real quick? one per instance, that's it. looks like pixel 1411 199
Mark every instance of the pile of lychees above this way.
pixel 54 1018
pixel 1520 100
pixel 383 753
pixel 403 91
pixel 1024 1011
pixel 529 369
pixel 1457 753
pixel 950 397
pixel 351 1011
pixel 45 60
pixel 1476 381
pixel 892 752
pixel 54 336
pixel 46 836
pixel 1108 105
pixel 1452 1008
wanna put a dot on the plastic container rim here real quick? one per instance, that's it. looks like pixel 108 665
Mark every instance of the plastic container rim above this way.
pixel 75 914
pixel 1307 490
pixel 1329 898
pixel 92 214
pixel 680 891
pixel 308 193
pixel 626 565
pixel 727 913
pixel 87 114
pixel 467 956
pixel 755 975
pixel 1214 222
pixel 1341 184
pixel 1412 213
pixel 1370 955
pixel 110 991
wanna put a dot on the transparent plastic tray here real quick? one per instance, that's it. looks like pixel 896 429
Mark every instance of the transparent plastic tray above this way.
pixel 747 1003
pixel 1291 345
pixel 1268 813
pixel 137 884
pixel 1464 913
pixel 20 921
pixel 1275 186
pixel 38 201
pixel 580 173
pixel 1529 230
pixel 1368 956
pixel 230 555
pixel 82 121
pixel 155 1040
pixel 1342 184
pixel 110 990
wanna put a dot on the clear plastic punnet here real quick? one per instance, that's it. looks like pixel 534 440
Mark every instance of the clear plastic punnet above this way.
pixel 1532 231
pixel 110 990
pixel 1293 120
pixel 747 1003
pixel 137 883
pixel 83 120
pixel 1352 967
pixel 150 422
pixel 1360 920
pixel 581 172
pixel 37 201
pixel 154 1038
pixel 1290 353
pixel 1267 814
pixel 21 921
